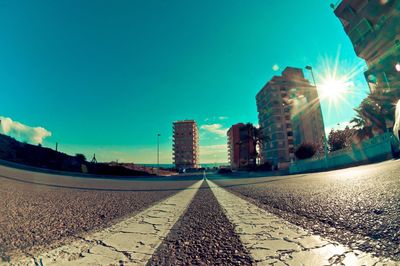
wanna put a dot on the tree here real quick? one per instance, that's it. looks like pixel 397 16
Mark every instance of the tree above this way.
pixel 305 151
pixel 340 139
pixel 249 137
pixel 260 139
pixel 363 129
pixel 80 157
pixel 374 112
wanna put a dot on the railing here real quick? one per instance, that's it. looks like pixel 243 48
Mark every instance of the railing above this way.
pixel 334 6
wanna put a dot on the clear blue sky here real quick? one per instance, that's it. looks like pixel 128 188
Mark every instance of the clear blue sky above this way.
pixel 106 76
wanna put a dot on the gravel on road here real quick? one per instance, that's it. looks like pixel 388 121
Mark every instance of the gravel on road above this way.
pixel 203 236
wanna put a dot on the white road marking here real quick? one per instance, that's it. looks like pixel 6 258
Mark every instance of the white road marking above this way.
pixel 271 240
pixel 131 242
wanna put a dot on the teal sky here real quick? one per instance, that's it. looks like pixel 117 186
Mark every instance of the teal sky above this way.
pixel 105 77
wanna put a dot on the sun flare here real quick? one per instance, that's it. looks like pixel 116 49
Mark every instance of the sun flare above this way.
pixel 334 89
pixel 336 83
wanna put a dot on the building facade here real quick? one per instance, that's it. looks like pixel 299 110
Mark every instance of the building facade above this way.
pixel 289 114
pixel 185 144
pixel 241 146
pixel 373 28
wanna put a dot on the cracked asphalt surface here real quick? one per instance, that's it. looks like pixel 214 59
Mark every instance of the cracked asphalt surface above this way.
pixel 35 217
pixel 203 236
pixel 271 240
pixel 63 218
pixel 131 241
pixel 358 207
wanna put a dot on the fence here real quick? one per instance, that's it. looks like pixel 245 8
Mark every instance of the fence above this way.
pixel 379 148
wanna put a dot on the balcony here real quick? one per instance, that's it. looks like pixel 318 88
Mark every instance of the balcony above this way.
pixel 340 6
pixel 376 43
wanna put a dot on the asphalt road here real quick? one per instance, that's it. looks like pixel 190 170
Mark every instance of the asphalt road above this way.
pixel 358 207
pixel 39 210
pixel 203 236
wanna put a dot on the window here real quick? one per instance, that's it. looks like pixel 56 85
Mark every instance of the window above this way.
pixel 380 22
pixel 357 6
pixel 279 135
pixel 349 11
pixel 360 30
pixel 282 155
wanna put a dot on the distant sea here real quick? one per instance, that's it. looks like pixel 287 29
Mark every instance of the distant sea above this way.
pixel 205 165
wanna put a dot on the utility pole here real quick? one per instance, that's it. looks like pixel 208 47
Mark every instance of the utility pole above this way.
pixel 322 117
pixel 158 153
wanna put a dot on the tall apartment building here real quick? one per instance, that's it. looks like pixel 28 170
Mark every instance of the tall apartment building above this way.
pixel 241 146
pixel 185 144
pixel 289 114
pixel 373 28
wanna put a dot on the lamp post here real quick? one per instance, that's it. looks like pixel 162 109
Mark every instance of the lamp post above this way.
pixel 158 153
pixel 322 117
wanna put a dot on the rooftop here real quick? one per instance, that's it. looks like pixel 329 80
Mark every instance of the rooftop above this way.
pixel 184 121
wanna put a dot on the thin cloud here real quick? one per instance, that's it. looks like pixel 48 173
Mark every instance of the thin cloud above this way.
pixel 215 129
pixel 215 118
pixel 19 131
pixel 217 153
pixel 213 149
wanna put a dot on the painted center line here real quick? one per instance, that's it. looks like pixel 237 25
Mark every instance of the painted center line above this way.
pixel 132 241
pixel 273 241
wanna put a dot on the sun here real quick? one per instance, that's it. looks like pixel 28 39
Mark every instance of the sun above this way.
pixel 337 83
pixel 334 89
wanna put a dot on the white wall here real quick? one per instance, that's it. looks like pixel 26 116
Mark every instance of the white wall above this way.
pixel 378 148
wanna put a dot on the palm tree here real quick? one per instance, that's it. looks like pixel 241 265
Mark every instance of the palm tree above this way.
pixel 374 112
pixel 260 139
pixel 363 129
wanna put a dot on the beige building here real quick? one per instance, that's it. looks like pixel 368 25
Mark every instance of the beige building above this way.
pixel 373 28
pixel 289 114
pixel 185 144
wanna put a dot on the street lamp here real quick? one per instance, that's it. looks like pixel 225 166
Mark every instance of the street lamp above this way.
pixel 322 117
pixel 158 153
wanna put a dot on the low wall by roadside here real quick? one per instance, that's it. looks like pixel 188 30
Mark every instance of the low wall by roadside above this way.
pixel 379 148
pixel 64 173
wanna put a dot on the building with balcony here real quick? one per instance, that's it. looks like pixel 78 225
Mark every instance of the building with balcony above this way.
pixel 289 114
pixel 185 144
pixel 241 146
pixel 373 28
